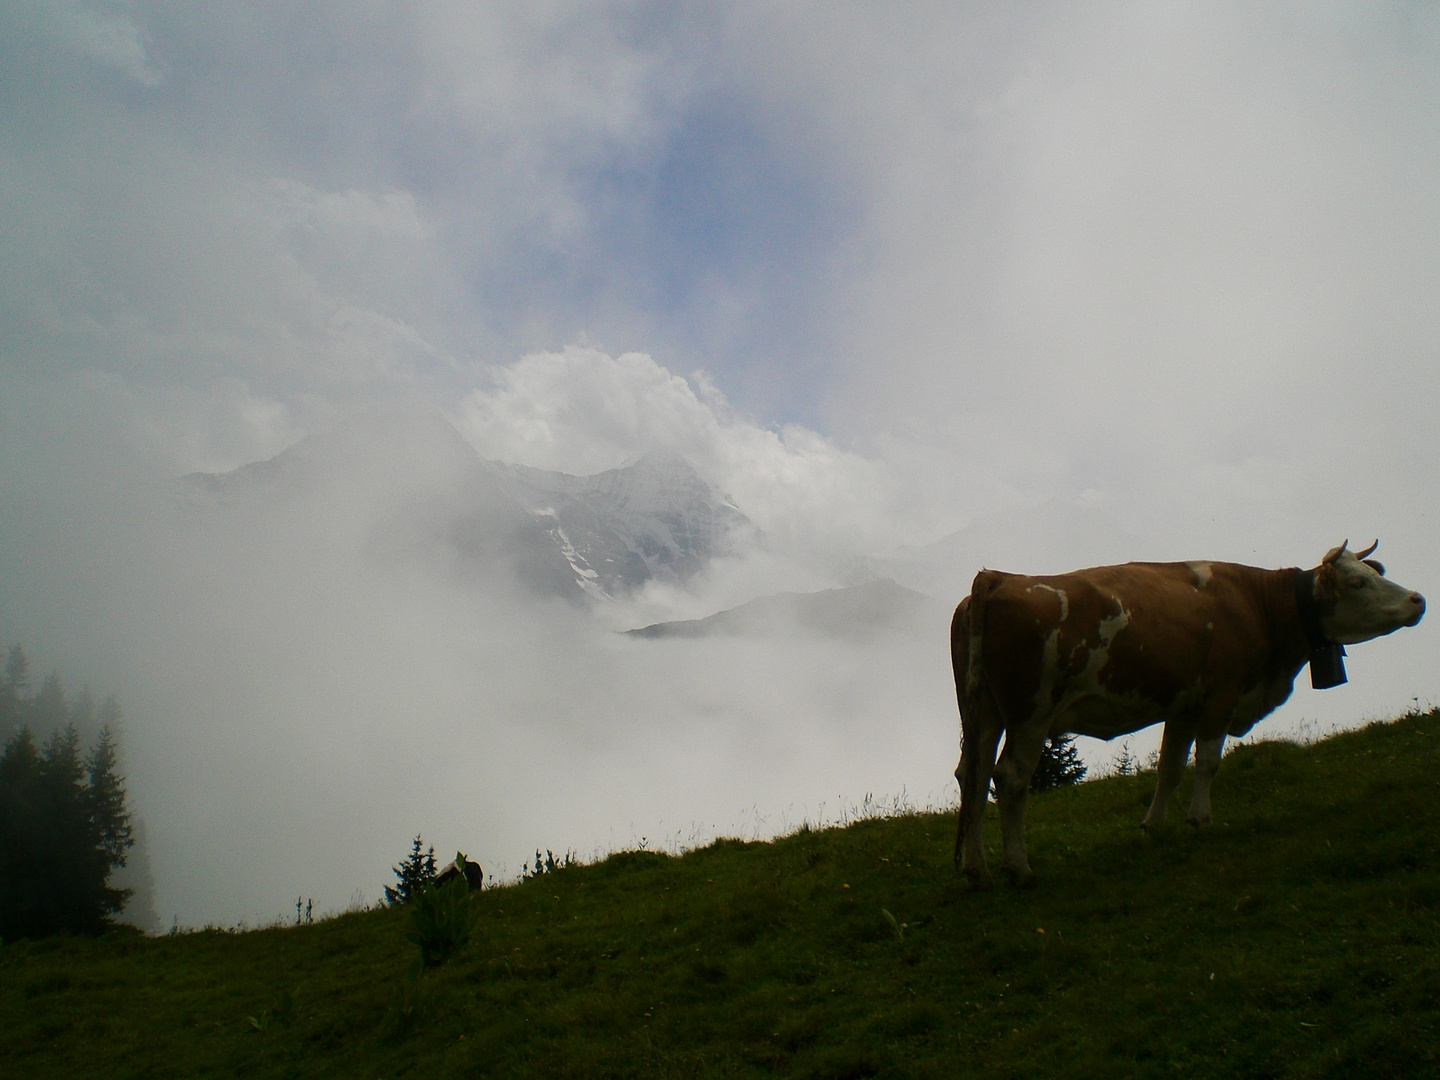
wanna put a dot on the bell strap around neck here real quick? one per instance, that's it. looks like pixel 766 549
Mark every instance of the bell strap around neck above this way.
pixel 1327 669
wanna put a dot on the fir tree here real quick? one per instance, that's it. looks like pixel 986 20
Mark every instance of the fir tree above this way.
pixel 1059 765
pixel 17 668
pixel 48 711
pixel 413 874
pixel 12 693
pixel 63 830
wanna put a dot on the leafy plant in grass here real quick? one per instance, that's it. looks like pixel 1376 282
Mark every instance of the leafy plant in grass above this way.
pixel 281 1011
pixel 442 918
pixel 413 1002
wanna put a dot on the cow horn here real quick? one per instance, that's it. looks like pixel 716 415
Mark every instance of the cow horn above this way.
pixel 1335 553
pixel 1362 555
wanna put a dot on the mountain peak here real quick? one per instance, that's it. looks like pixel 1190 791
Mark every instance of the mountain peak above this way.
pixel 660 459
pixel 655 517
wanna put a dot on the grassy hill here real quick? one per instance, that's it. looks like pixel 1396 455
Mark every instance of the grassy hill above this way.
pixel 1296 937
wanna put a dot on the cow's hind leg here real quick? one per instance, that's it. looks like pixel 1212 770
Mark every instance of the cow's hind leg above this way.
pixel 1207 761
pixel 977 763
pixel 1012 784
pixel 1174 752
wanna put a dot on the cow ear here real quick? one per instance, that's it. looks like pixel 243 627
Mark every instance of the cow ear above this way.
pixel 1325 581
pixel 1334 553
pixel 1376 565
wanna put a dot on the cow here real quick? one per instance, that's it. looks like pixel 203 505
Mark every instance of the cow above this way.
pixel 1206 648
pixel 460 866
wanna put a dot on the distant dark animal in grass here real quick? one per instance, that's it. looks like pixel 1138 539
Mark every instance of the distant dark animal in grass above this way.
pixel 1206 648
pixel 474 876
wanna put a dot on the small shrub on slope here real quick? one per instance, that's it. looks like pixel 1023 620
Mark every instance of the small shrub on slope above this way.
pixel 441 918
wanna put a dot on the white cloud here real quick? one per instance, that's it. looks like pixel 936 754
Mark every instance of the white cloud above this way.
pixel 109 38
pixel 352 215
pixel 583 411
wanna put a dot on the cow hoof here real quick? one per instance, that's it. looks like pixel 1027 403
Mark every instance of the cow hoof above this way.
pixel 1199 822
pixel 1024 879
pixel 979 880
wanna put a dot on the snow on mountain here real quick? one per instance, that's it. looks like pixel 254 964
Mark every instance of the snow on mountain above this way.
pixel 398 486
pixel 654 519
pixel 401 484
pixel 856 613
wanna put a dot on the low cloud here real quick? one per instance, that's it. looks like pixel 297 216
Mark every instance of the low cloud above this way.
pixel 106 37
pixel 583 411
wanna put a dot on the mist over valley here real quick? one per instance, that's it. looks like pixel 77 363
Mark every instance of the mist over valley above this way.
pixel 573 427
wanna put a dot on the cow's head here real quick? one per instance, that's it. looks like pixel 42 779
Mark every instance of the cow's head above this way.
pixel 1357 602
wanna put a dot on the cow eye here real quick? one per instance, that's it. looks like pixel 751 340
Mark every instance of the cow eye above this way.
pixel 1359 583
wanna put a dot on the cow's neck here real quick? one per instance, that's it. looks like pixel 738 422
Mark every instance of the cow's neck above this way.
pixel 1289 602
pixel 1309 610
pixel 1327 669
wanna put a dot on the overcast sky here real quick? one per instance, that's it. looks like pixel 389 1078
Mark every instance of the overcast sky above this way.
pixel 882 272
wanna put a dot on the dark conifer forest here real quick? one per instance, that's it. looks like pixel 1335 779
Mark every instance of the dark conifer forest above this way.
pixel 64 825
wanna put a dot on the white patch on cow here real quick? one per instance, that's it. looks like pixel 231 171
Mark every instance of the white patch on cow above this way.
pixel 1050 659
pixel 1049 669
pixel 1091 708
pixel 1064 600
pixel 1201 570
pixel 1087 682
pixel 1108 628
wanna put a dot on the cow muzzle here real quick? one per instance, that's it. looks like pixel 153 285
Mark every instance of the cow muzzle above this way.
pixel 1419 603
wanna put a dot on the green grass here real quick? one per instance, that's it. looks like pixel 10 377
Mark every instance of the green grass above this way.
pixel 1296 937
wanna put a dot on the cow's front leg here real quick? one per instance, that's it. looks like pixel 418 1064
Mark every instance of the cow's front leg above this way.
pixel 1012 783
pixel 1207 760
pixel 1174 752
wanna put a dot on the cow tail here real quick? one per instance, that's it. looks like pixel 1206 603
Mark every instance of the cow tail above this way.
pixel 967 636
pixel 960 653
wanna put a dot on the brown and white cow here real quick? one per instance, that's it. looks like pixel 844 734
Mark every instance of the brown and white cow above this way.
pixel 1207 648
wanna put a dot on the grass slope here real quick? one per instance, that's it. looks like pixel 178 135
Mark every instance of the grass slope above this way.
pixel 1297 937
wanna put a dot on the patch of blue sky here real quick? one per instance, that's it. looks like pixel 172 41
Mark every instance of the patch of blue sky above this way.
pixel 727 240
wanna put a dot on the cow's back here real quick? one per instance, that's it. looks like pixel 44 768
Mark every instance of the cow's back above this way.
pixel 1115 647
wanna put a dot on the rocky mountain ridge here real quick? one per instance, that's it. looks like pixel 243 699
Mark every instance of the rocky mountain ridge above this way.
pixel 654 519
pixel 402 483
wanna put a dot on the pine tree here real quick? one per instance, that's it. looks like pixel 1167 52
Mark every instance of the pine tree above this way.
pixel 110 828
pixel 12 693
pixel 48 712
pixel 1059 765
pixel 63 830
pixel 17 668
pixel 413 874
